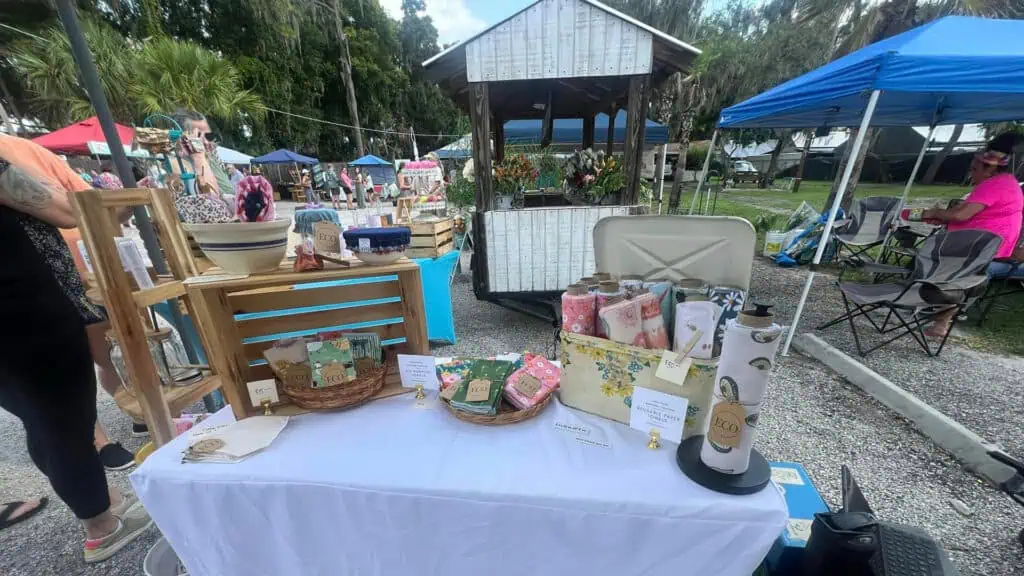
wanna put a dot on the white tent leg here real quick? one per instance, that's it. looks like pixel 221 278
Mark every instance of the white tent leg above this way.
pixel 843 183
pixel 704 171
pixel 659 174
pixel 910 184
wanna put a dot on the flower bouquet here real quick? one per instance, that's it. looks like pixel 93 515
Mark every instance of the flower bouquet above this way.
pixel 511 176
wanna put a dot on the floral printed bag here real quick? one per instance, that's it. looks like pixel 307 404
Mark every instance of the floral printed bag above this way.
pixel 598 376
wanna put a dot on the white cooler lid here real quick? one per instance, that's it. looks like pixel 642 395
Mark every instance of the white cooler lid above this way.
pixel 719 249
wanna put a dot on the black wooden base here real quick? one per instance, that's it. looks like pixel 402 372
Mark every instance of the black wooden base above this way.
pixel 753 480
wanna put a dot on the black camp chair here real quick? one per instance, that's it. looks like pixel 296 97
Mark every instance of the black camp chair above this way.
pixel 868 225
pixel 949 270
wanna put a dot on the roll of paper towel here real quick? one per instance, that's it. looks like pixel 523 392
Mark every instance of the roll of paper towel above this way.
pixel 748 355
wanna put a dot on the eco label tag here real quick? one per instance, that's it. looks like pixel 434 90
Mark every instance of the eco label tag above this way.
pixel 527 385
pixel 479 390
pixel 673 367
pixel 417 370
pixel 261 391
pixel 364 244
pixel 653 410
pixel 727 424
pixel 325 237
pixel 786 476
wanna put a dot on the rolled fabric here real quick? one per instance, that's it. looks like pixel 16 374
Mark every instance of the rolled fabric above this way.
pixel 748 355
pixel 696 320
pixel 730 301
pixel 663 290
pixel 579 310
pixel 608 290
pixel 652 323
pixel 621 321
pixel 632 283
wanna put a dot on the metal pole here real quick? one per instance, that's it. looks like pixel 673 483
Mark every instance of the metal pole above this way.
pixel 704 171
pixel 87 68
pixel 843 183
pixel 917 166
pixel 659 174
pixel 415 148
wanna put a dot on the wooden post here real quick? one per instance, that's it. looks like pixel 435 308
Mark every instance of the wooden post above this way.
pixel 499 139
pixel 611 131
pixel 547 129
pixel 480 118
pixel 636 123
pixel 588 131
pixel 411 287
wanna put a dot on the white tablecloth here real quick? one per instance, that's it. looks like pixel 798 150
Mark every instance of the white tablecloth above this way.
pixel 392 490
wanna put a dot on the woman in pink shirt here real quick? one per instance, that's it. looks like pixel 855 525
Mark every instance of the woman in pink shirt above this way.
pixel 996 204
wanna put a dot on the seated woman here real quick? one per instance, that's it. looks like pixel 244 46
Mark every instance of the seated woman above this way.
pixel 995 204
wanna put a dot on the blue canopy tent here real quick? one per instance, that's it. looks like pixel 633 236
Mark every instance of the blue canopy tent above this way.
pixel 564 131
pixel 954 70
pixel 382 171
pixel 283 156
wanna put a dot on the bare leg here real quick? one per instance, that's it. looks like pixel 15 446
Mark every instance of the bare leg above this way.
pixel 100 350
pixel 99 526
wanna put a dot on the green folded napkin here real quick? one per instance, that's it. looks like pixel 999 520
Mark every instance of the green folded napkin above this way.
pixel 491 371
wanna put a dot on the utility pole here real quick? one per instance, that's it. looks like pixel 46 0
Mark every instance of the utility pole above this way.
pixel 346 76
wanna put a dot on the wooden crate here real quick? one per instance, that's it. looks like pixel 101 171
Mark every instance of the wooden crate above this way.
pixel 243 317
pixel 431 239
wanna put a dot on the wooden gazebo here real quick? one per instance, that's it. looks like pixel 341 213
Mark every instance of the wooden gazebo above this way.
pixel 555 59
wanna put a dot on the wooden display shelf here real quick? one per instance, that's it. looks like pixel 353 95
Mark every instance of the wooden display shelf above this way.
pixel 164 290
pixel 177 398
pixel 240 318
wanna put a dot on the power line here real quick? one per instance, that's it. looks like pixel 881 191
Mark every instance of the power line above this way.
pixel 20 31
pixel 398 132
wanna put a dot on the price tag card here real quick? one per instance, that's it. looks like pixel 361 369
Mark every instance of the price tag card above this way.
pixel 418 370
pixel 479 390
pixel 262 390
pixel 527 385
pixel 326 237
pixel 673 368
pixel 653 410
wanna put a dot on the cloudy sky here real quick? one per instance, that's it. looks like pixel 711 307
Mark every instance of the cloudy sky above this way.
pixel 460 19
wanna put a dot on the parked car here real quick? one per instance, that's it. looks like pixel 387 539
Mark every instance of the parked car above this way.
pixel 743 167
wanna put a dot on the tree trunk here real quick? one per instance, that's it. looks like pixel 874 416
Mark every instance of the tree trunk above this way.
pixel 808 138
pixel 685 128
pixel 7 121
pixel 773 162
pixel 936 163
pixel 346 76
pixel 851 188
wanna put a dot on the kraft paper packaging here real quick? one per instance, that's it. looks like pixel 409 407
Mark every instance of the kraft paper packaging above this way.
pixel 748 355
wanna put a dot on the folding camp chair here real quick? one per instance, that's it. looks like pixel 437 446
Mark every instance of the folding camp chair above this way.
pixel 1009 279
pixel 868 226
pixel 949 270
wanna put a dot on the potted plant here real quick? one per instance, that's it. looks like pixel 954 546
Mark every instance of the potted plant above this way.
pixel 593 179
pixel 510 178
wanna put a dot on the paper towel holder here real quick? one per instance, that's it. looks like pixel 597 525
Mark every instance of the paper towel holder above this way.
pixel 756 477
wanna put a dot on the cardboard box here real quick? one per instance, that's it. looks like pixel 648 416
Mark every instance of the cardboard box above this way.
pixel 803 501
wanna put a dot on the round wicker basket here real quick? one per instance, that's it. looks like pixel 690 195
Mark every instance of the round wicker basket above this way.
pixel 507 413
pixel 346 395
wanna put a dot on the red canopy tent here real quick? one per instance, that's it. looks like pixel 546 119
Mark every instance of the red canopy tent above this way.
pixel 74 139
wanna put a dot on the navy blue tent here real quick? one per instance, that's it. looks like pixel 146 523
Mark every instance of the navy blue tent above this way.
pixel 954 70
pixel 570 130
pixel 283 156
pixel 382 171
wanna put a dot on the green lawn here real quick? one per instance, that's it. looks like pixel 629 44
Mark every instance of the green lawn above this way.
pixel 1001 330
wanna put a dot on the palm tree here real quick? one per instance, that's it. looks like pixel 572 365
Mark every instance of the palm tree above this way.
pixel 172 73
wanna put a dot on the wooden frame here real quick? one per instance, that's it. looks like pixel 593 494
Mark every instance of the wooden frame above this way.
pixel 233 317
pixel 97 215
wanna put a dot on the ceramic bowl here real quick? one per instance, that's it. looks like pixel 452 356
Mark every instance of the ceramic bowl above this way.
pixel 243 247
pixel 375 259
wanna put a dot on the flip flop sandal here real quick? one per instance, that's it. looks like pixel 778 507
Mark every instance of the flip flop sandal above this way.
pixel 8 510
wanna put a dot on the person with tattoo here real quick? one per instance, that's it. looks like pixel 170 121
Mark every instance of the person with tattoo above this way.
pixel 46 373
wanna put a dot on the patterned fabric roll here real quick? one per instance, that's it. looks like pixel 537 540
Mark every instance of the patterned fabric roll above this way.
pixel 579 312
pixel 651 321
pixel 622 322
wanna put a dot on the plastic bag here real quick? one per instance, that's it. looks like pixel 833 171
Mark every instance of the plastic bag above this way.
pixel 802 217
pixel 306 257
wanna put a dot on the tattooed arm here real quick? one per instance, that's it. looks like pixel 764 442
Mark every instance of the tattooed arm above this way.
pixel 34 196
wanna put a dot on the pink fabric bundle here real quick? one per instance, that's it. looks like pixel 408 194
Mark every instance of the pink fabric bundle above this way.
pixel 579 313
pixel 652 323
pixel 622 322
pixel 539 368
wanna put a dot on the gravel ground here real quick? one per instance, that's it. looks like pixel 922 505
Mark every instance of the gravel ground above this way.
pixel 812 417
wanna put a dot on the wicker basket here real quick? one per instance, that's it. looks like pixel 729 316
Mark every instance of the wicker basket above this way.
pixel 507 413
pixel 346 395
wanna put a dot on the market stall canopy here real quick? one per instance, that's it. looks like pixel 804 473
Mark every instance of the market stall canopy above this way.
pixel 75 138
pixel 458 150
pixel 382 171
pixel 283 156
pixel 570 130
pixel 528 49
pixel 229 156
pixel 954 70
